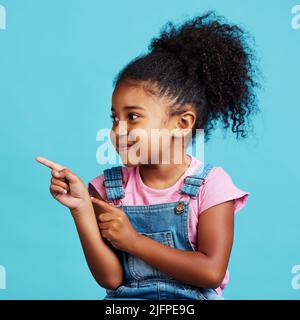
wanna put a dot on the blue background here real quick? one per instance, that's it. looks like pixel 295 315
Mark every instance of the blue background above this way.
pixel 57 63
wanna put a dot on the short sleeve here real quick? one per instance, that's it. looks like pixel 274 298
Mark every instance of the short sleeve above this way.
pixel 219 188
pixel 97 183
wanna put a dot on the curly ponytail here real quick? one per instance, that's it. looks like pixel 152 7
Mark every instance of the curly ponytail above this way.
pixel 204 62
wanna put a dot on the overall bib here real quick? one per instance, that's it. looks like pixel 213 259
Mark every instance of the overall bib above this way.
pixel 167 223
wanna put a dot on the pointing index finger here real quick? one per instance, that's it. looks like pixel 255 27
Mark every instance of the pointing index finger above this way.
pixel 50 164
pixel 107 207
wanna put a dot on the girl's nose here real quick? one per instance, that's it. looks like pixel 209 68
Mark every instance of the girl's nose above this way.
pixel 117 137
pixel 120 128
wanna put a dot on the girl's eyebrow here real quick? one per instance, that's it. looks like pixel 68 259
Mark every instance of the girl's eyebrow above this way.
pixel 129 108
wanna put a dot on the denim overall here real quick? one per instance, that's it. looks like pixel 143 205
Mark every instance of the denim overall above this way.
pixel 167 223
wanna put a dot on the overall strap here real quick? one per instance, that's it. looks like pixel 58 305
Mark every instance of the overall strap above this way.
pixel 193 182
pixel 113 183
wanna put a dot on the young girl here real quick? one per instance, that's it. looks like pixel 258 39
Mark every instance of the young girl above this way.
pixel 165 230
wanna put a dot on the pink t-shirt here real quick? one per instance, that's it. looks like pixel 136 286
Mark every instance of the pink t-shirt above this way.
pixel 218 188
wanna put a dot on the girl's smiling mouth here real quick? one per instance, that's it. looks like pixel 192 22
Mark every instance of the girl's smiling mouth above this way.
pixel 124 147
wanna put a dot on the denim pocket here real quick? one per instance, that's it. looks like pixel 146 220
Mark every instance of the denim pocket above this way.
pixel 140 269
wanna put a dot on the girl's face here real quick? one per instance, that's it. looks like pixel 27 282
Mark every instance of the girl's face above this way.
pixel 141 129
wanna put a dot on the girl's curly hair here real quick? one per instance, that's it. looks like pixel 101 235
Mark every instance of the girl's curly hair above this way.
pixel 206 63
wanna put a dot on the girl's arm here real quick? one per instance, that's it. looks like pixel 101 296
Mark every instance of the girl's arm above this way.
pixel 103 262
pixel 68 189
pixel 204 268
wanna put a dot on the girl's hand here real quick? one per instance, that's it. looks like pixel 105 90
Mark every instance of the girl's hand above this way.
pixel 66 187
pixel 115 226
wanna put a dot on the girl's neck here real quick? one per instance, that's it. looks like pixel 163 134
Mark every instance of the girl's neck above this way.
pixel 162 176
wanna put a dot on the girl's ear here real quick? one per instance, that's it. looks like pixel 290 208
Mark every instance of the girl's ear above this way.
pixel 187 120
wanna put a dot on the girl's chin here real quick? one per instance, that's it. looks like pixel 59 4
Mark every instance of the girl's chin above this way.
pixel 129 162
pixel 129 165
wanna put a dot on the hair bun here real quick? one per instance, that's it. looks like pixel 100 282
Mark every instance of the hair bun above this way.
pixel 203 44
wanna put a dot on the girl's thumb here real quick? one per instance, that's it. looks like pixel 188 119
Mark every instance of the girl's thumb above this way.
pixel 65 173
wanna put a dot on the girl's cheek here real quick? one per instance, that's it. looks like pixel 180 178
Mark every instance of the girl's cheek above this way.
pixel 112 137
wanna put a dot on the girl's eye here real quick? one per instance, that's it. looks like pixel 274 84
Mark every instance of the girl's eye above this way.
pixel 130 115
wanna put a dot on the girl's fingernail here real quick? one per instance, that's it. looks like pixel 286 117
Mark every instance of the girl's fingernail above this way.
pixel 65 191
pixel 92 198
